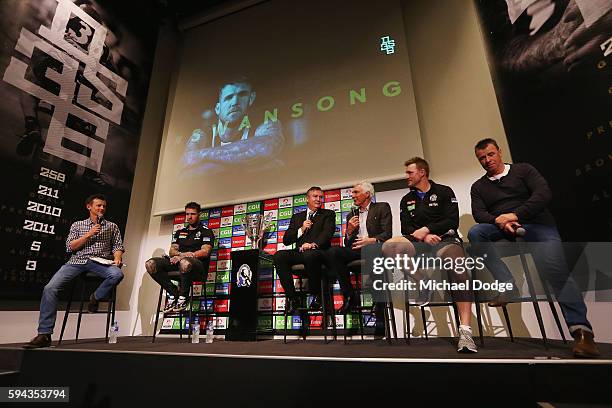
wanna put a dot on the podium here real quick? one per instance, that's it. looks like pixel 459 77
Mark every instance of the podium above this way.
pixel 243 314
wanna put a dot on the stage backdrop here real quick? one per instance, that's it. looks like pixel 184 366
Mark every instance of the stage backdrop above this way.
pixel 74 78
pixel 226 223
pixel 287 94
pixel 550 61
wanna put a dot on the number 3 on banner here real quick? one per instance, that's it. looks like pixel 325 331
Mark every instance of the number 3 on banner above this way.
pixel 31 266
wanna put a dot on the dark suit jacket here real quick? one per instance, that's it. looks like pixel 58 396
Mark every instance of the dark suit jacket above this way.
pixel 378 223
pixel 321 232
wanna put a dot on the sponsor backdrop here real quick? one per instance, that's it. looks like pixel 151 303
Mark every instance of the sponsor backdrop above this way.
pixel 226 223
pixel 73 81
pixel 550 61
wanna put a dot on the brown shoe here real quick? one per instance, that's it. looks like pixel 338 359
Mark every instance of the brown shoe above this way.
pixel 584 346
pixel 92 306
pixel 42 340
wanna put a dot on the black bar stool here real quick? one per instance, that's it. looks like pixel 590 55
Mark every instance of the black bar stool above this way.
pixel 84 280
pixel 176 275
pixel 298 270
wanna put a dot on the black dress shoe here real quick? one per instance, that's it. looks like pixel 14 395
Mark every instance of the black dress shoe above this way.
pixel 92 306
pixel 349 300
pixel 316 303
pixel 40 341
pixel 293 304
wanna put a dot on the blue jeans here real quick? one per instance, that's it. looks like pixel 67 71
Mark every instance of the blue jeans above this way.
pixel 111 274
pixel 549 259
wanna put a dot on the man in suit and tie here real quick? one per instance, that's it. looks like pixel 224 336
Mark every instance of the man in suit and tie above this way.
pixel 367 224
pixel 311 231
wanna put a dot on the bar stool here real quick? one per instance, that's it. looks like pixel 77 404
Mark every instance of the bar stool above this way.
pixel 176 275
pixel 298 270
pixel 443 304
pixel 388 314
pixel 508 249
pixel 84 279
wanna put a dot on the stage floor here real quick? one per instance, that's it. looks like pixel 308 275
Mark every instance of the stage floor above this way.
pixel 432 349
pixel 270 373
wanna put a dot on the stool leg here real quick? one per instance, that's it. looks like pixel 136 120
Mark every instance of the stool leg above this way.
pixel 507 318
pixel 109 312
pixel 157 313
pixel 424 322
pixel 78 328
pixel 387 326
pixel 392 315
pixel 534 300
pixel 324 306
pixel 67 313
pixel 285 314
pixel 553 310
pixel 478 313
pixel 181 325
pixel 456 314
pixel 479 322
pixel 190 313
pixel 407 317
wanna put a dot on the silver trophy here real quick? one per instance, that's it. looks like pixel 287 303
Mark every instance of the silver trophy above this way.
pixel 255 225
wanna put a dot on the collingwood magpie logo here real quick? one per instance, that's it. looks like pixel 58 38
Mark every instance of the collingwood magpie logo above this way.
pixel 244 276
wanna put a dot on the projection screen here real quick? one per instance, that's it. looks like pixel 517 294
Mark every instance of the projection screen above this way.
pixel 285 95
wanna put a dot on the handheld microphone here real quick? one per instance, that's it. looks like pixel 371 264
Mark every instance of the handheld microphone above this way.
pixel 355 211
pixel 448 234
pixel 99 219
pixel 520 232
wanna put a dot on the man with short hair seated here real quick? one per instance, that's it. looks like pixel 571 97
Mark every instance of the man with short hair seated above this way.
pixel 189 254
pixel 311 231
pixel 95 246
pixel 513 198
pixel 429 215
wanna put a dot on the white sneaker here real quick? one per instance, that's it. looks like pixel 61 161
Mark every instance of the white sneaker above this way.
pixel 466 343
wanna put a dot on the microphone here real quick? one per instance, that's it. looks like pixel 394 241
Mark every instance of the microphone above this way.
pixel 448 234
pixel 355 211
pixel 100 218
pixel 312 215
pixel 520 232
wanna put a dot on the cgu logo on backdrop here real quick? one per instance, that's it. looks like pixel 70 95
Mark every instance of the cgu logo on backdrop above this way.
pixel 79 50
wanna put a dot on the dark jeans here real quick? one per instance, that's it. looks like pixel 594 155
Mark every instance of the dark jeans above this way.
pixel 312 259
pixel 549 259
pixel 163 266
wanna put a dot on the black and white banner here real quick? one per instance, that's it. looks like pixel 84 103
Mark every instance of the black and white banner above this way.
pixel 74 77
pixel 550 61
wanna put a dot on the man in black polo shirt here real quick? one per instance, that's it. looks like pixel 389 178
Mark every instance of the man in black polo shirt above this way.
pixel 189 253
pixel 429 216
pixel 509 197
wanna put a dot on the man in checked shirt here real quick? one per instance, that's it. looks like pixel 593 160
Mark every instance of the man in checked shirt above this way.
pixel 93 237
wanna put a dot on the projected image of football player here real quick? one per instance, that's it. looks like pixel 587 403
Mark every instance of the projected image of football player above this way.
pixel 231 138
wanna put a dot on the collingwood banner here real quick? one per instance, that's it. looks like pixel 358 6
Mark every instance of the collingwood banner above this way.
pixel 74 80
pixel 550 61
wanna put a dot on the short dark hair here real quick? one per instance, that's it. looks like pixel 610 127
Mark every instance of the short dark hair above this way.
pixel 313 188
pixel 484 143
pixel 194 206
pixel 420 163
pixel 233 81
pixel 92 197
